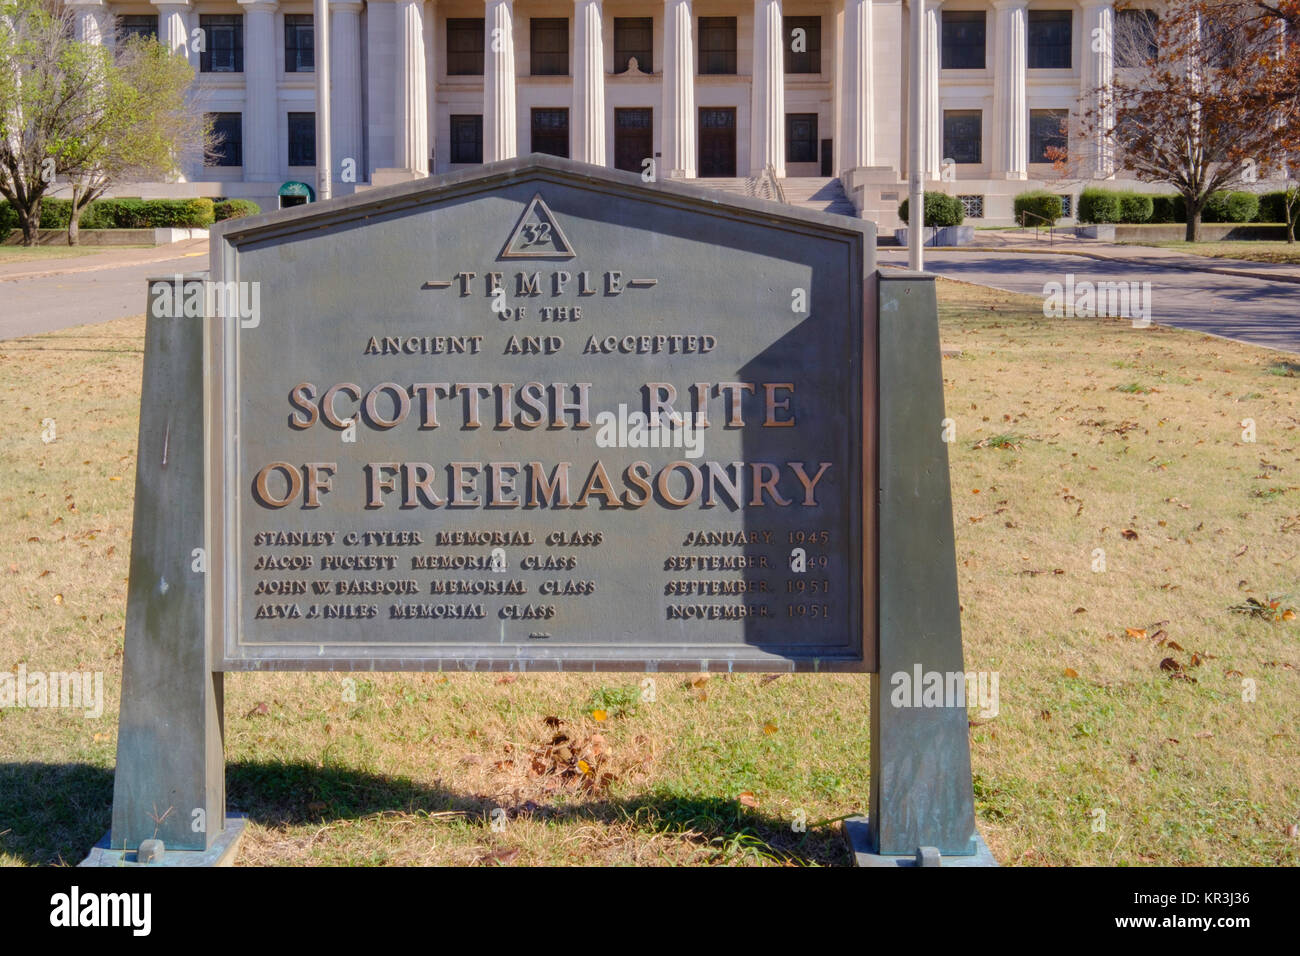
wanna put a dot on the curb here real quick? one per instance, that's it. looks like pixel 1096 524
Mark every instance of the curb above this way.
pixel 1293 277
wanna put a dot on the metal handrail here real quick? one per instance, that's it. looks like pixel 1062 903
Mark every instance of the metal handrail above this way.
pixel 777 191
pixel 1051 225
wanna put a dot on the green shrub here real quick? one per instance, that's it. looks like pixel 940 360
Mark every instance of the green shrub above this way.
pixel 1272 208
pixel 177 213
pixel 1040 204
pixel 1230 207
pixel 1135 207
pixel 1167 209
pixel 1099 206
pixel 940 210
pixel 148 214
pixel 8 220
pixel 55 213
pixel 235 209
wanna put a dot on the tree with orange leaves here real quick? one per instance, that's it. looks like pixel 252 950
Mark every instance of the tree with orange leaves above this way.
pixel 1206 97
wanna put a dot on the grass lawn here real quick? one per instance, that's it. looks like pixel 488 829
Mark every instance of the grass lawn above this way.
pixel 41 253
pixel 1120 689
pixel 1281 253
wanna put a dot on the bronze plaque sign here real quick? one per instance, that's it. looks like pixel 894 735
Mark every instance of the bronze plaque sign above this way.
pixel 542 419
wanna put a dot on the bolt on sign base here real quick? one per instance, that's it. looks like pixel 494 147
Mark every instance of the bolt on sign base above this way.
pixel 857 833
pixel 222 852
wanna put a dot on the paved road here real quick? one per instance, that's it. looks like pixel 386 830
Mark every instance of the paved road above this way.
pixel 1257 311
pixel 82 294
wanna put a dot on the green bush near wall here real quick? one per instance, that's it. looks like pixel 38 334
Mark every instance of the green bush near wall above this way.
pixel 1170 208
pixel 1099 206
pixel 130 214
pixel 1272 208
pixel 1040 204
pixel 1114 206
pixel 235 209
pixel 1135 207
pixel 1230 207
pixel 940 210
pixel 8 220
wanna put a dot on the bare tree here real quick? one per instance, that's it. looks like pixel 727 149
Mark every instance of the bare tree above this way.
pixel 1199 95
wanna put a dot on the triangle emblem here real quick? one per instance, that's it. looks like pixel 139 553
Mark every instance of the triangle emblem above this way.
pixel 537 235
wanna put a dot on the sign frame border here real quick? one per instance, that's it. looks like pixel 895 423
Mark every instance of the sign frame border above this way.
pixel 221 396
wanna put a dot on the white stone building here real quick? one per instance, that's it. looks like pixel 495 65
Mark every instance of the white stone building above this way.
pixel 708 89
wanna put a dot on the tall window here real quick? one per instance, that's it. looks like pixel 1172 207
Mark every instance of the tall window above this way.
pixel 224 43
pixel 964 39
pixel 633 37
pixel 549 46
pixel 1135 37
pixel 717 44
pixel 1219 43
pixel 803 45
pixel 465 46
pixel 963 136
pixel 467 138
pixel 1050 39
pixel 299 43
pixel 228 131
pixel 801 137
pixel 551 132
pixel 1047 135
pixel 302 139
pixel 143 25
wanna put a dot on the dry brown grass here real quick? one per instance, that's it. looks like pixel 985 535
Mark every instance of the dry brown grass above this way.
pixel 715 770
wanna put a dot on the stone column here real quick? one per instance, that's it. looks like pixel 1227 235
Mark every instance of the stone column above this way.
pixel 933 114
pixel 767 109
pixel 499 118
pixel 678 113
pixel 588 113
pixel 1098 155
pixel 1011 105
pixel 93 23
pixel 859 92
pixel 345 84
pixel 174 27
pixel 261 99
pixel 411 118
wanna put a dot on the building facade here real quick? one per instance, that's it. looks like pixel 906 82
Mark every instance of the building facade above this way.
pixel 707 89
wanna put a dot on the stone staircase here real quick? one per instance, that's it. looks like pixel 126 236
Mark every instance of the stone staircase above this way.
pixel 740 186
pixel 817 192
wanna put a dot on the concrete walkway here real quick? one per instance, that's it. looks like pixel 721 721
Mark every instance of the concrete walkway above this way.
pixel 50 294
pixel 1259 309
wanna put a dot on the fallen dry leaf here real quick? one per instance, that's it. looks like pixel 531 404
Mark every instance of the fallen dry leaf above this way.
pixel 747 799
pixel 1128 534
pixel 769 728
pixel 502 857
pixel 1071 672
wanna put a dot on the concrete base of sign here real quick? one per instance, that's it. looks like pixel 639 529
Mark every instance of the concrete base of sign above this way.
pixel 858 834
pixel 221 853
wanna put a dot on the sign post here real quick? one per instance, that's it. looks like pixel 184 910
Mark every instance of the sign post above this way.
pixel 541 417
